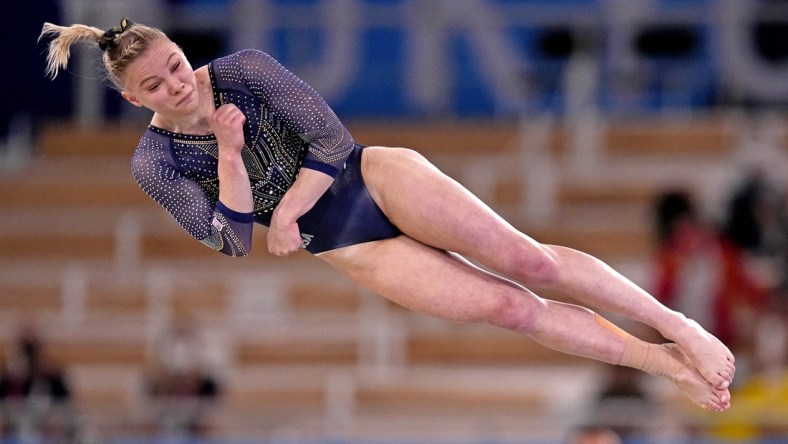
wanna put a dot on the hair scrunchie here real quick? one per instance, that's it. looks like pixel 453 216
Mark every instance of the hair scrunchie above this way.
pixel 107 41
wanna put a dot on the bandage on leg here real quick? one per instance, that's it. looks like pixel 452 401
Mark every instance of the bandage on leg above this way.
pixel 667 361
pixel 655 359
pixel 611 327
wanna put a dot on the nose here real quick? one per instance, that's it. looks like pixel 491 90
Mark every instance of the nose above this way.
pixel 176 87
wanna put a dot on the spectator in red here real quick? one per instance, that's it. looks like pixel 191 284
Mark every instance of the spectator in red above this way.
pixel 701 272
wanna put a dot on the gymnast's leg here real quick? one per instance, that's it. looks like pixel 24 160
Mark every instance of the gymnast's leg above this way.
pixel 446 286
pixel 434 209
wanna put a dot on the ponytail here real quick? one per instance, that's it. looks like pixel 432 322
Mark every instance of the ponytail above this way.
pixel 121 45
pixel 60 47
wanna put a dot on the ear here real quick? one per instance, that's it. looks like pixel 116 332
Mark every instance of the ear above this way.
pixel 130 98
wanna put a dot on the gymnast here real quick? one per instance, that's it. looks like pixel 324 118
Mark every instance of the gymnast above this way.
pixel 242 141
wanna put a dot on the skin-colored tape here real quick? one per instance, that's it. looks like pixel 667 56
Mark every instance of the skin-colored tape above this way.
pixel 611 327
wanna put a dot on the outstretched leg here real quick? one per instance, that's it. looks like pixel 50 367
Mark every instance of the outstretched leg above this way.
pixel 575 275
pixel 434 209
pixel 446 286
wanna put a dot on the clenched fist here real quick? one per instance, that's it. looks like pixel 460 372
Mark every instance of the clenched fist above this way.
pixel 227 124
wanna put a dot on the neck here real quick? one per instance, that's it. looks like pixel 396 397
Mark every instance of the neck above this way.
pixel 196 124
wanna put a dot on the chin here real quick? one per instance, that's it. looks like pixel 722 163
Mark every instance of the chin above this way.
pixel 188 107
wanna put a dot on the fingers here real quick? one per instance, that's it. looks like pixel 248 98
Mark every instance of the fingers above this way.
pixel 284 242
pixel 227 124
pixel 282 253
pixel 228 114
pixel 227 118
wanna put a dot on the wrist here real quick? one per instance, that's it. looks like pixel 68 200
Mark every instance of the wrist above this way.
pixel 231 163
pixel 282 216
pixel 229 156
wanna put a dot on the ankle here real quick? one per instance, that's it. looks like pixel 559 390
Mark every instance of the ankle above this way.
pixel 674 325
pixel 663 360
pixel 635 353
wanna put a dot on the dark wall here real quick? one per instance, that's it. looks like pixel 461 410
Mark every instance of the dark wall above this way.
pixel 25 89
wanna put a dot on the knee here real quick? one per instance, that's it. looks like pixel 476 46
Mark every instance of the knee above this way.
pixel 517 311
pixel 534 265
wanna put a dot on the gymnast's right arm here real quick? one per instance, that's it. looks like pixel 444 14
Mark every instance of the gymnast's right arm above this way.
pixel 190 202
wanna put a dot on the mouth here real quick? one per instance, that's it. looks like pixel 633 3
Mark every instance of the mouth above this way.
pixel 185 98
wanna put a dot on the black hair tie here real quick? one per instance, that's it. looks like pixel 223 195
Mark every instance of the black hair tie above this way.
pixel 107 41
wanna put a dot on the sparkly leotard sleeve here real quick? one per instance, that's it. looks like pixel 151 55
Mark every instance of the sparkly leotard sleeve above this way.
pixel 292 102
pixel 288 126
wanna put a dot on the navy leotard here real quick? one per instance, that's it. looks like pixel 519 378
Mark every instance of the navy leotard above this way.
pixel 288 127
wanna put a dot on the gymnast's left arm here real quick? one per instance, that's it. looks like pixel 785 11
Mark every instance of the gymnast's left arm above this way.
pixel 328 142
pixel 300 108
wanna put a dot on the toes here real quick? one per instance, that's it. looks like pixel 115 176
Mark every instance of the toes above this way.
pixel 723 400
pixel 714 360
pixel 721 407
pixel 715 406
pixel 727 378
pixel 717 381
pixel 711 406
pixel 722 379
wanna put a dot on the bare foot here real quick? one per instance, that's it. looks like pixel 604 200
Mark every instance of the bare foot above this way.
pixel 670 362
pixel 694 385
pixel 707 354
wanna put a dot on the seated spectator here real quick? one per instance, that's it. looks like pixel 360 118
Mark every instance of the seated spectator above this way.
pixel 34 392
pixel 179 380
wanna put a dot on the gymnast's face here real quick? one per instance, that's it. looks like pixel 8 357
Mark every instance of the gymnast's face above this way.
pixel 162 80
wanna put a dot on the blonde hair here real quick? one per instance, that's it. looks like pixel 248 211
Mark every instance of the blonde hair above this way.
pixel 121 45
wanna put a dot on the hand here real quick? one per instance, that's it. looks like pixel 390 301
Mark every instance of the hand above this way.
pixel 227 124
pixel 283 239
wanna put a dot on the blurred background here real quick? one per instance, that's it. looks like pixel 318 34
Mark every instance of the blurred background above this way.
pixel 650 133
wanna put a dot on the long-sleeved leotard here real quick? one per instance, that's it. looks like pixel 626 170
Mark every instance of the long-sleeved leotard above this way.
pixel 288 126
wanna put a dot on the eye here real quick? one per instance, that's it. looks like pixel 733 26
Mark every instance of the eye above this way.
pixel 154 87
pixel 176 66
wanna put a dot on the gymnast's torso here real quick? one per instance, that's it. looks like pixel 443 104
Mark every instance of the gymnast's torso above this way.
pixel 288 127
